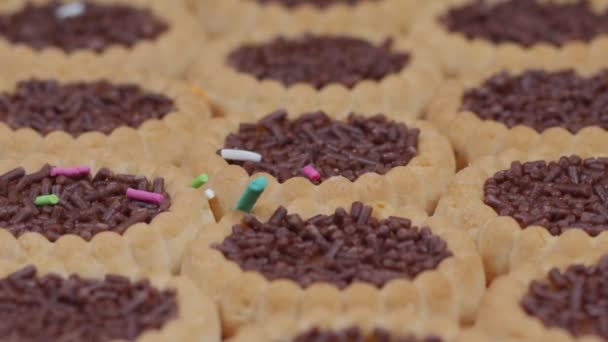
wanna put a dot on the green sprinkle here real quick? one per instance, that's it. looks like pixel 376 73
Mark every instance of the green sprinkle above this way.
pixel 46 200
pixel 199 181
pixel 251 194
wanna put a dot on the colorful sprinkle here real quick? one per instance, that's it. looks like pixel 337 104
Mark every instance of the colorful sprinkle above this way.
pixel 199 181
pixel 240 155
pixel 69 10
pixel 46 200
pixel 199 92
pixel 210 194
pixel 251 194
pixel 214 204
pixel 70 171
pixel 310 172
pixel 145 196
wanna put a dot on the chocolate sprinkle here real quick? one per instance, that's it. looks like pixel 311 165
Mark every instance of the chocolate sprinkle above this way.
pixel 318 60
pixel 542 100
pixel 527 22
pixel 80 107
pixel 98 28
pixel 53 308
pixel 87 205
pixel 334 148
pixel 339 249
pixel 316 3
pixel 575 300
pixel 354 334
pixel 558 195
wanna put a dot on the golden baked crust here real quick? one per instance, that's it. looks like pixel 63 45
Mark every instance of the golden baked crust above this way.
pixel 162 140
pixel 475 335
pixel 452 291
pixel 156 56
pixel 154 247
pixel 242 16
pixel 502 318
pixel 233 92
pixel 418 183
pixel 284 329
pixel 502 243
pixel 460 56
pixel 197 320
pixel 473 137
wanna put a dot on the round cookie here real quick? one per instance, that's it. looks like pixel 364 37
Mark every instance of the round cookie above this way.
pixel 296 281
pixel 130 216
pixel 59 106
pixel 388 16
pixel 522 105
pixel 556 298
pixel 57 301
pixel 134 34
pixel 472 35
pixel 374 158
pixel 322 325
pixel 518 205
pixel 302 72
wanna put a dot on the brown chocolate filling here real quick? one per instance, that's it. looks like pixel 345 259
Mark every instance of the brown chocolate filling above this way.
pixel 80 107
pixel 316 3
pixel 334 148
pixel 354 334
pixel 53 308
pixel 527 22
pixel 87 205
pixel 558 195
pixel 98 28
pixel 339 249
pixel 575 300
pixel 542 100
pixel 318 60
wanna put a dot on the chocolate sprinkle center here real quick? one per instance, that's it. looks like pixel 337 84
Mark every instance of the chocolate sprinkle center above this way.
pixel 575 300
pixel 354 334
pixel 318 60
pixel 542 100
pixel 96 29
pixel 527 22
pixel 80 107
pixel 316 3
pixel 87 205
pixel 53 308
pixel 558 195
pixel 339 249
pixel 334 148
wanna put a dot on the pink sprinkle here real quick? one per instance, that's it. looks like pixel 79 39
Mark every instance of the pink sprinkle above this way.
pixel 70 171
pixel 311 173
pixel 145 196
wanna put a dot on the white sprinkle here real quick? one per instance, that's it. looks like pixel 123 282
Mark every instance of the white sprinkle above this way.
pixel 210 194
pixel 72 9
pixel 240 155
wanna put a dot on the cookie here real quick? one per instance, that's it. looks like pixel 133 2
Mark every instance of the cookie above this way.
pixel 61 106
pixel 522 106
pixel 359 325
pixel 99 303
pixel 139 34
pixel 389 16
pixel 132 216
pixel 517 205
pixel 555 298
pixel 473 35
pixel 316 70
pixel 311 255
pixel 325 156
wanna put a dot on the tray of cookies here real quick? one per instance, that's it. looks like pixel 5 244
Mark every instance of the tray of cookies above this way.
pixel 304 170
